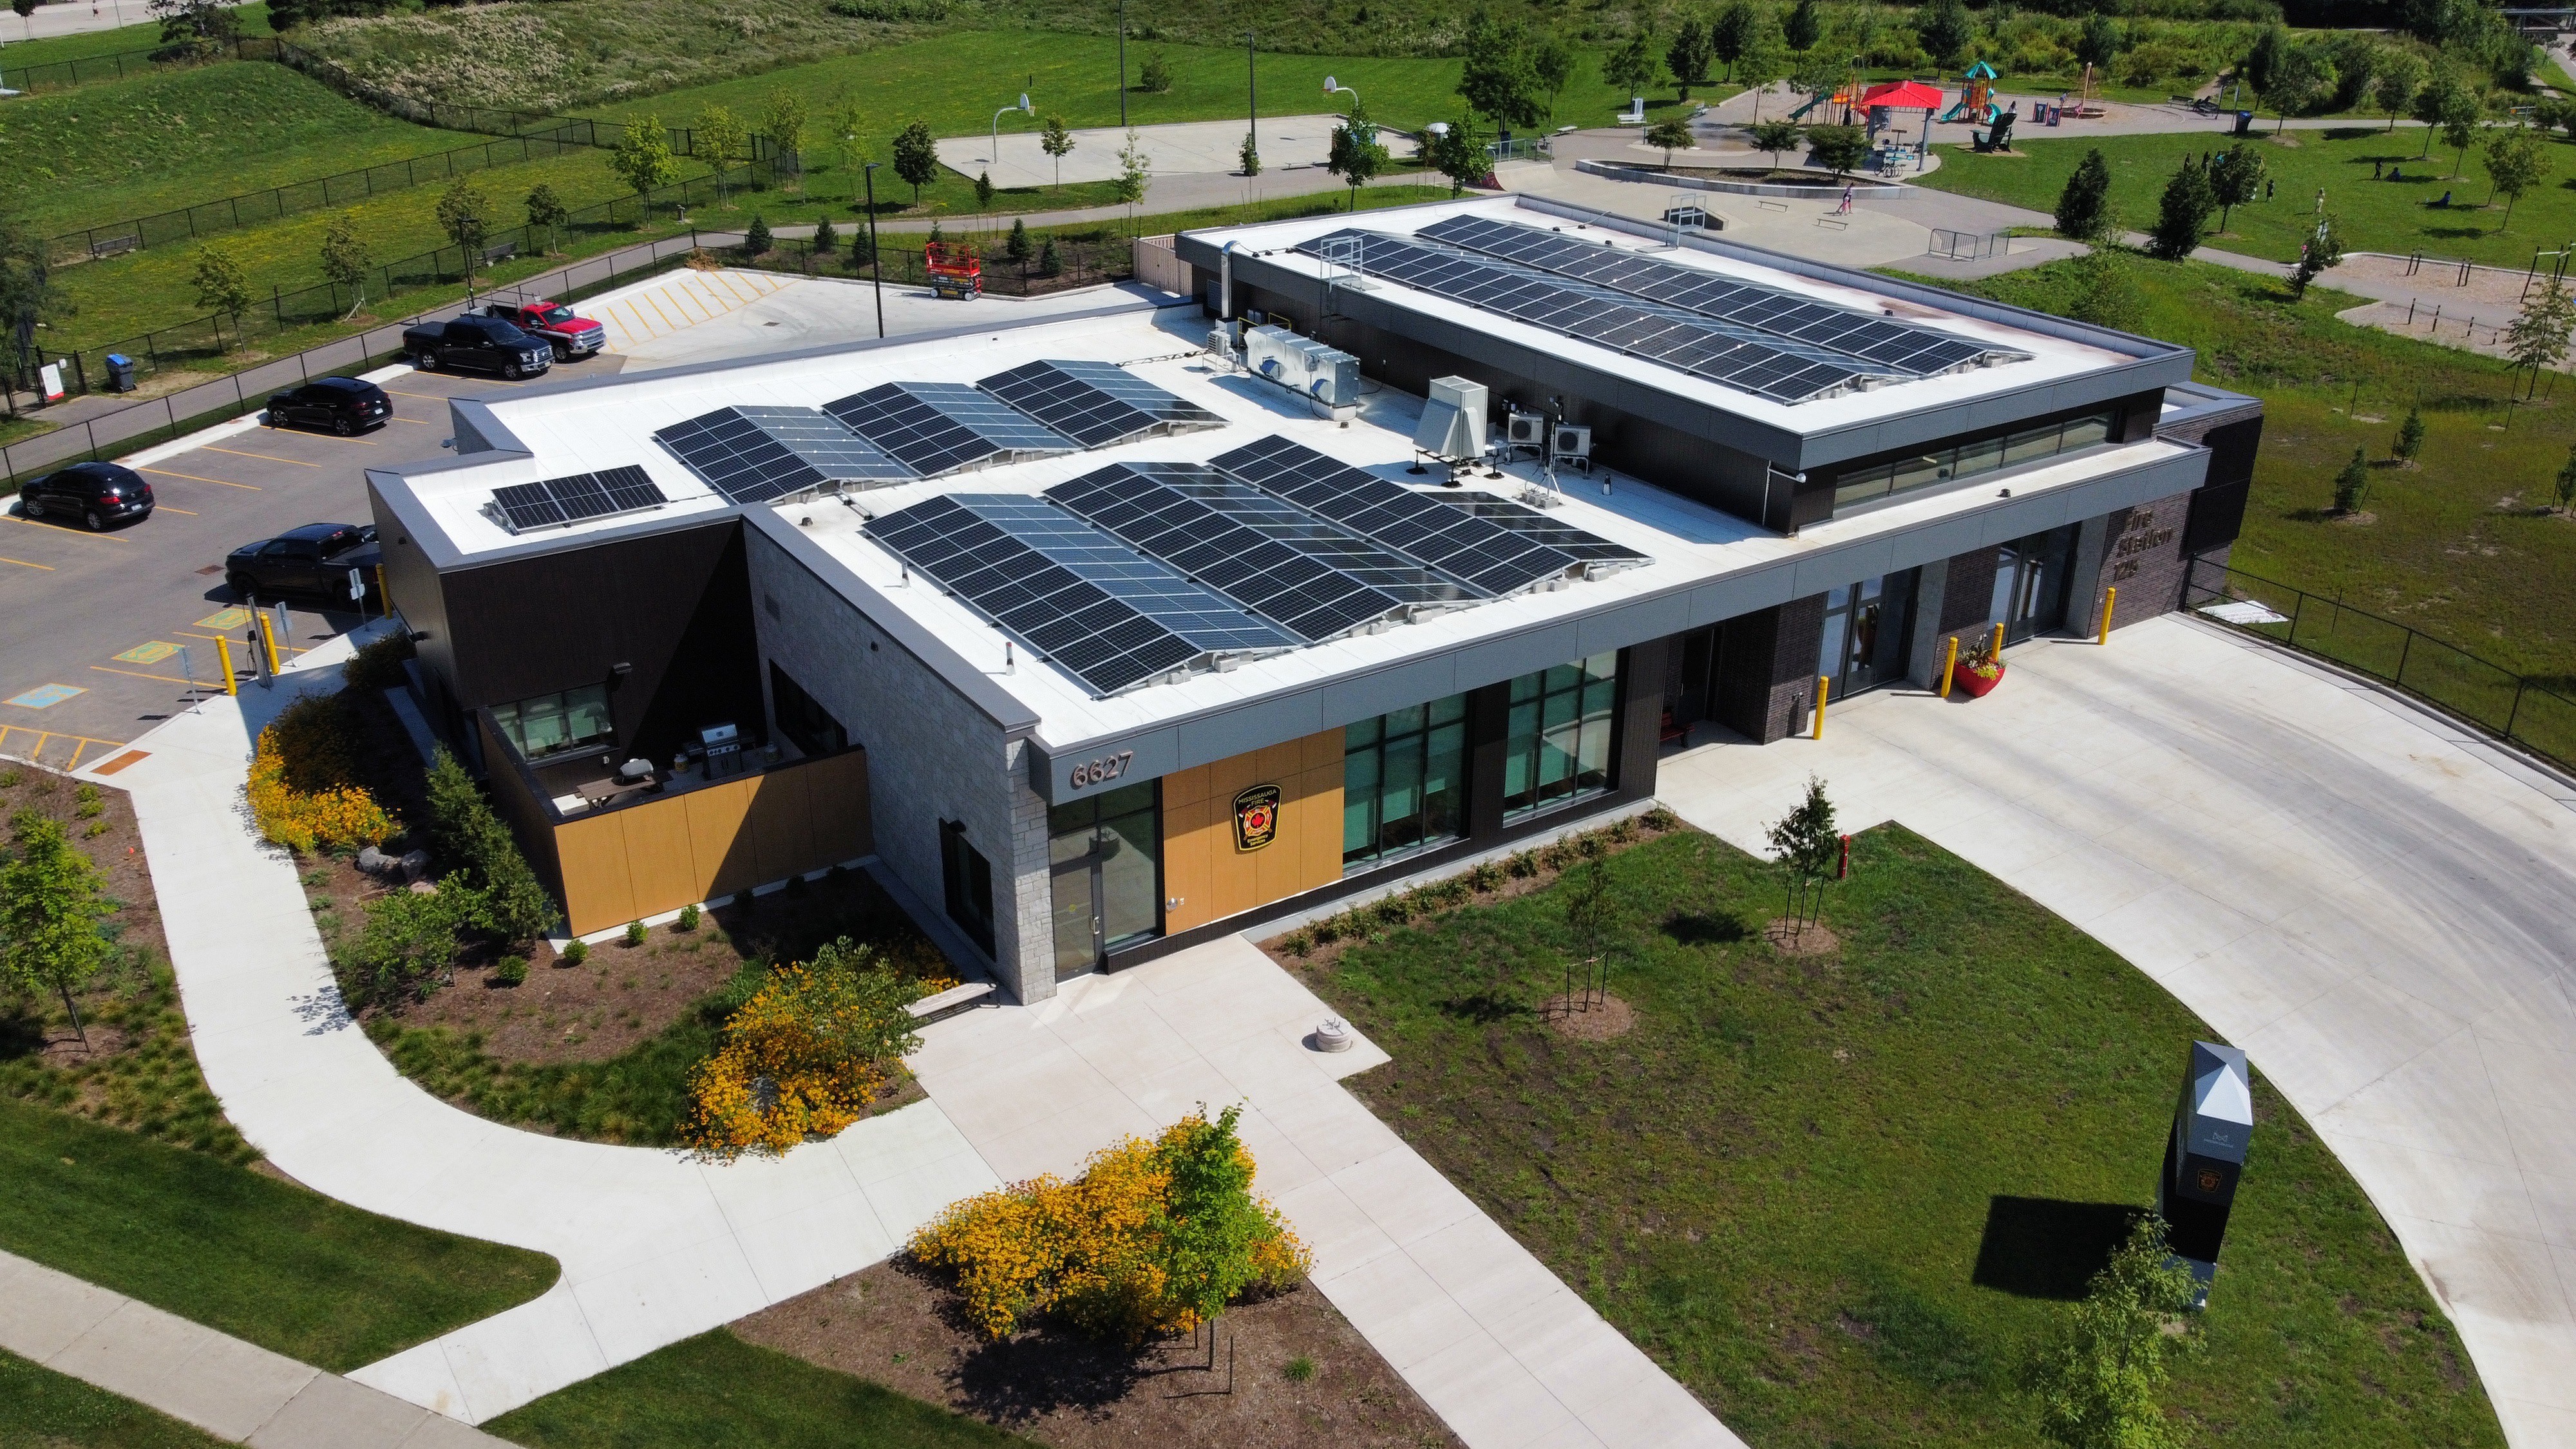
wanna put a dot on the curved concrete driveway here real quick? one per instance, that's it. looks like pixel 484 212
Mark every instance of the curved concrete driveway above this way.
pixel 2378 908
pixel 655 1247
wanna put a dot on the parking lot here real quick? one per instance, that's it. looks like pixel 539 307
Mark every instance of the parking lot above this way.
pixel 104 630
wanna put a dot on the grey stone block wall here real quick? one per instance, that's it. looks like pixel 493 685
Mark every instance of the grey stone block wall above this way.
pixel 932 756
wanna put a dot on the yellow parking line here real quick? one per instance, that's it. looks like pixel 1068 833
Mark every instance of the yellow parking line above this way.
pixel 735 285
pixel 638 327
pixel 134 674
pixel 271 457
pixel 166 508
pixel 415 422
pixel 193 478
pixel 22 563
pixel 432 396
pixel 66 530
pixel 657 311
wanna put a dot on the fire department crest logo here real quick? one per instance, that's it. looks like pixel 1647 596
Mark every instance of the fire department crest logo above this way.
pixel 1256 817
pixel 2211 1179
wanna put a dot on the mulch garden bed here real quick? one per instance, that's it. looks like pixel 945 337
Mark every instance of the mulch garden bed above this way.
pixel 895 1325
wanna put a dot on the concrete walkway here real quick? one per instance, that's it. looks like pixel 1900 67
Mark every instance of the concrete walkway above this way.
pixel 231 1389
pixel 655 1247
pixel 1506 1354
pixel 2375 905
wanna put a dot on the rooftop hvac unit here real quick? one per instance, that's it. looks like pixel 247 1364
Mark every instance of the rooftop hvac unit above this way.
pixel 1525 430
pixel 1571 447
pixel 1301 364
pixel 1453 420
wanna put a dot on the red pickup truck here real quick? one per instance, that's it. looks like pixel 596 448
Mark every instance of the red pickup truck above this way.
pixel 573 337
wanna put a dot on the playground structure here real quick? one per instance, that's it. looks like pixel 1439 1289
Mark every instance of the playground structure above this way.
pixel 1848 95
pixel 955 270
pixel 1977 103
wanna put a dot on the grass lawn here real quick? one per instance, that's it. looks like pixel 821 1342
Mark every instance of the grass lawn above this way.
pixel 41 1409
pixel 1838 1198
pixel 124 39
pixel 2462 548
pixel 2380 216
pixel 120 149
pixel 260 1259
pixel 717 1392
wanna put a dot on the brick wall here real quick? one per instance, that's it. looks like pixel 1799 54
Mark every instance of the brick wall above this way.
pixel 1766 673
pixel 1968 596
pixel 2142 557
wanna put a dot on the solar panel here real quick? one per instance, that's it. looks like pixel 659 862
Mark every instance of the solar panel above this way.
pixel 1904 347
pixel 1311 577
pixel 1785 369
pixel 1486 557
pixel 1096 403
pixel 1072 594
pixel 830 447
pixel 1599 554
pixel 562 502
pixel 738 458
pixel 942 427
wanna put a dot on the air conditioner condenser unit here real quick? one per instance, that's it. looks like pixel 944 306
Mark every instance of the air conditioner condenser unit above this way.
pixel 1525 430
pixel 1571 445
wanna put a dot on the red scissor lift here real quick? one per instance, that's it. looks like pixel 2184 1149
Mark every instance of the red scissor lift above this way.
pixel 955 270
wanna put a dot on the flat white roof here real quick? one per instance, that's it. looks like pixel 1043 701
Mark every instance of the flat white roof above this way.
pixel 2051 359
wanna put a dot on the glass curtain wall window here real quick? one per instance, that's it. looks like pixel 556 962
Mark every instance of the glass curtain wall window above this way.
pixel 553 723
pixel 1556 745
pixel 1866 628
pixel 1404 781
pixel 1984 455
pixel 2031 577
pixel 1105 863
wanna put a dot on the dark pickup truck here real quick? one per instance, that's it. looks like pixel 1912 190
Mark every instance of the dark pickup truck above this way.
pixel 314 559
pixel 483 344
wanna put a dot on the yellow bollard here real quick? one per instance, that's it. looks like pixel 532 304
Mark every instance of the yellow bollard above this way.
pixel 1949 665
pixel 2110 601
pixel 1999 643
pixel 1824 684
pixel 224 652
pixel 384 600
pixel 268 640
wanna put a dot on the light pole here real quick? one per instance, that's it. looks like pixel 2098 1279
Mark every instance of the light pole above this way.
pixel 876 259
pixel 1022 108
pixel 1122 65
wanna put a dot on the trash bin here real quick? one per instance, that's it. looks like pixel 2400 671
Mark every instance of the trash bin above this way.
pixel 120 372
pixel 2244 123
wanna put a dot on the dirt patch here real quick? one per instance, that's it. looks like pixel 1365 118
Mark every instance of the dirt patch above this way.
pixel 1604 1016
pixel 1789 939
pixel 2359 518
pixel 894 1324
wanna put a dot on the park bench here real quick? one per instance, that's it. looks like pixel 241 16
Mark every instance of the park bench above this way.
pixel 115 246
pixel 951 1001
pixel 500 252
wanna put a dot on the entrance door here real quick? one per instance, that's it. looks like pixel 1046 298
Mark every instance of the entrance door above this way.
pixel 2030 584
pixel 1104 857
pixel 1866 633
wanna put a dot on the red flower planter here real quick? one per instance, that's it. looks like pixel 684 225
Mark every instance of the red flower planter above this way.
pixel 1973 683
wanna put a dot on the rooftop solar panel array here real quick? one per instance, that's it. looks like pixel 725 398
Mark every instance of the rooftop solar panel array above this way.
pixel 1478 552
pixel 941 427
pixel 1597 552
pixel 825 442
pixel 1902 347
pixel 562 502
pixel 738 458
pixel 1077 597
pixel 1780 368
pixel 1096 403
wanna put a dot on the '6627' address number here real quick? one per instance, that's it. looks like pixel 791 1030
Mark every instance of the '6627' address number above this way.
pixel 1108 767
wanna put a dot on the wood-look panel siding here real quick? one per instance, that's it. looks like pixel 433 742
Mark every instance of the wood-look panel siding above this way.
pixel 598 889
pixel 1201 867
pixel 663 853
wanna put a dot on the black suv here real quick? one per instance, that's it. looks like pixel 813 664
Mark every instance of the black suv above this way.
pixel 314 559
pixel 97 494
pixel 345 405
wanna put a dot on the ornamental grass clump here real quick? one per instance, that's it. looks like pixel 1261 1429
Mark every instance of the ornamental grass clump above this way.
pixel 1153 1238
pixel 302 780
pixel 806 1054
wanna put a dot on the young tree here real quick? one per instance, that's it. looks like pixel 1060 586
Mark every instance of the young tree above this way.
pixel 1672 135
pixel 1945 30
pixel 27 292
pixel 1249 156
pixel 1804 844
pixel 465 214
pixel 2515 163
pixel 847 119
pixel 2437 101
pixel 643 159
pixel 1729 31
pixel 2107 293
pixel 50 905
pixel 2182 214
pixel 1588 906
pixel 2352 485
pixel 983 191
pixel 1156 78
pixel 1356 156
pixel 1838 148
pixel 346 259
pixel 2263 61
pixel 2322 249
pixel 916 157
pixel 757 242
pixel 1552 60
pixel 1497 76
pixel 2299 82
pixel 2539 335
pixel 1776 136
pixel 547 214
pixel 1135 172
pixel 2099 42
pixel 2084 203
pixel 1632 69
pixel 2399 76
pixel 2235 178
pixel 2098 1376
pixel 1764 59
pixel 826 241
pixel 2356 57
pixel 716 138
pixel 1459 153
pixel 221 286
pixel 196 28
pixel 1017 248
pixel 2460 116
pixel 1803 26
pixel 1211 1224
pixel 783 121
pixel 2410 435
pixel 1687 57
pixel 2566 487
pixel 1057 142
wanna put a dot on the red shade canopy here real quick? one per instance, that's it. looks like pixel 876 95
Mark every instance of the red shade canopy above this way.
pixel 1904 96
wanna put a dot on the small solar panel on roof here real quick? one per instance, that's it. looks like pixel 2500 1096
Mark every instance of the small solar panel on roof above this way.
pixel 562 502
pixel 1096 403
pixel 941 427
pixel 1475 551
pixel 1598 553
pixel 737 458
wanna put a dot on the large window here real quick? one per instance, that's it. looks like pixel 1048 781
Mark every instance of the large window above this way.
pixel 1984 455
pixel 1404 781
pixel 1557 744
pixel 803 720
pixel 1105 861
pixel 551 724
pixel 966 880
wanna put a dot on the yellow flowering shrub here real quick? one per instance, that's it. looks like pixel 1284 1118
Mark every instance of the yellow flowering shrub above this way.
pixel 300 791
pixel 1153 1238
pixel 805 1055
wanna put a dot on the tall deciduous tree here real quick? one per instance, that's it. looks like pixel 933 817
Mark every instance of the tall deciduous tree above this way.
pixel 1632 68
pixel 1497 76
pixel 2263 59
pixel 1729 31
pixel 1945 30
pixel 716 138
pixel 1765 57
pixel 2299 82
pixel 1459 153
pixel 643 160
pixel 1688 57
pixel 346 259
pixel 221 285
pixel 465 214
pixel 2098 1376
pixel 916 157
pixel 2235 179
pixel 2099 42
pixel 50 906
pixel 2393 88
pixel 1057 142
pixel 1356 156
pixel 783 121
pixel 2084 204
pixel 2515 163
pixel 27 291
pixel 2538 337
pixel 1803 26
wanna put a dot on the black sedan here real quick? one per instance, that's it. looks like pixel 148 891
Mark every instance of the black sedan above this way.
pixel 345 405
pixel 97 494
pixel 314 559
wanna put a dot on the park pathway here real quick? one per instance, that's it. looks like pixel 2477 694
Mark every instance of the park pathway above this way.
pixel 2376 905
